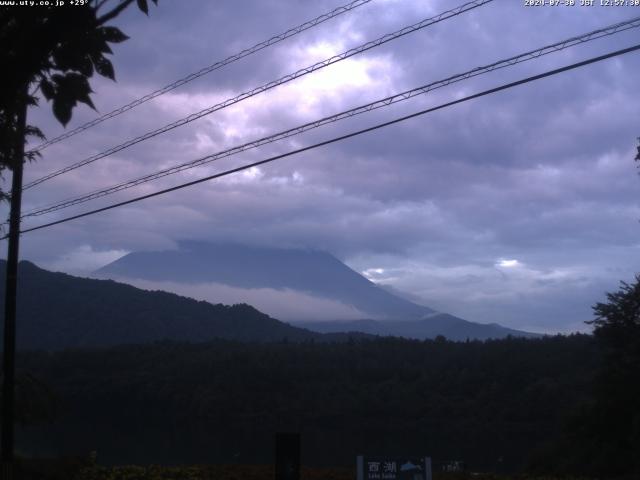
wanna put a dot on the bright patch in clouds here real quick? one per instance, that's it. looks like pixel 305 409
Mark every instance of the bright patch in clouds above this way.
pixel 250 175
pixel 335 81
pixel 506 291
pixel 373 273
pixel 508 263
pixel 319 51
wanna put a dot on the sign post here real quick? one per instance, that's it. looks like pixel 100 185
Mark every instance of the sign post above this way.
pixel 396 468
pixel 287 456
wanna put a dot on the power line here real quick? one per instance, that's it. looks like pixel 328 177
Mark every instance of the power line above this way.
pixel 267 86
pixel 342 137
pixel 215 66
pixel 530 55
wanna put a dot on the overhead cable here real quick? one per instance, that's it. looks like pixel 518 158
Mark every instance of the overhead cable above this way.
pixel 208 69
pixel 340 138
pixel 523 57
pixel 267 86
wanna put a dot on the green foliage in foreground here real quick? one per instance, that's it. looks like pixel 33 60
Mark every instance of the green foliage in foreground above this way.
pixel 602 438
pixel 222 402
pixel 262 472
pixel 560 405
pixel 251 472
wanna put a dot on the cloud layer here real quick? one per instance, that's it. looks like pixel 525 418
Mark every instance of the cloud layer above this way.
pixel 519 208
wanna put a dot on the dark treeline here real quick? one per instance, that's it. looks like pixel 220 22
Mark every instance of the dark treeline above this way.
pixel 57 311
pixel 497 405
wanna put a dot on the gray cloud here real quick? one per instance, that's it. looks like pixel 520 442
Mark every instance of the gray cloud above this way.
pixel 543 174
pixel 284 304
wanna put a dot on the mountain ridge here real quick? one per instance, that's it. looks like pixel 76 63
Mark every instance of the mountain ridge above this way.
pixel 449 326
pixel 307 271
pixel 57 311
pixel 255 267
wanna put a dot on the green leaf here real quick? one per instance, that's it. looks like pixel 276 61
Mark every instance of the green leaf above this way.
pixel 47 89
pixel 104 47
pixel 113 35
pixel 84 66
pixel 87 101
pixel 62 110
pixel 104 67
pixel 63 58
pixel 82 94
pixel 69 57
pixel 75 83
pixel 31 131
pixel 57 78
pixel 142 5
pixel 70 89
pixel 84 97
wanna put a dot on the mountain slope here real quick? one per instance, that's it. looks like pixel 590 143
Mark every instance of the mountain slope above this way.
pixel 56 311
pixel 309 271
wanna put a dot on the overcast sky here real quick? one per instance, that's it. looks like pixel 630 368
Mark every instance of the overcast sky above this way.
pixel 519 208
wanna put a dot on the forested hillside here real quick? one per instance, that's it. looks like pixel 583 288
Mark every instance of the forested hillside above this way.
pixel 57 311
pixel 493 404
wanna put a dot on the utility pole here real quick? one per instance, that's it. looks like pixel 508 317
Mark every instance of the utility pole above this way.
pixel 9 352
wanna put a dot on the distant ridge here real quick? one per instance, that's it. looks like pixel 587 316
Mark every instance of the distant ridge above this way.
pixel 309 271
pixel 452 328
pixel 57 311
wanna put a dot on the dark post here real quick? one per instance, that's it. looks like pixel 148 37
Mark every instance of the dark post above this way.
pixel 9 352
pixel 287 456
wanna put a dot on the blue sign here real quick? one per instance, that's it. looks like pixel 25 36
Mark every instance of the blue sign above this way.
pixel 396 468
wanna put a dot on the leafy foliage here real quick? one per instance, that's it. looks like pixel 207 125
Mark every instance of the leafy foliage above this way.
pixel 617 322
pixel 221 402
pixel 615 426
pixel 603 437
pixel 257 472
pixel 227 472
pixel 35 402
pixel 55 50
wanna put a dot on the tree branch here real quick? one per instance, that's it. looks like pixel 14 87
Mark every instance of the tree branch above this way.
pixel 99 4
pixel 114 13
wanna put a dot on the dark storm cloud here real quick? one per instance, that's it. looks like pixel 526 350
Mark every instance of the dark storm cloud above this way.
pixel 520 207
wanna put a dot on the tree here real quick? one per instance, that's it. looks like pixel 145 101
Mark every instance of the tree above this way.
pixel 615 418
pixel 53 50
pixel 603 437
pixel 617 322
